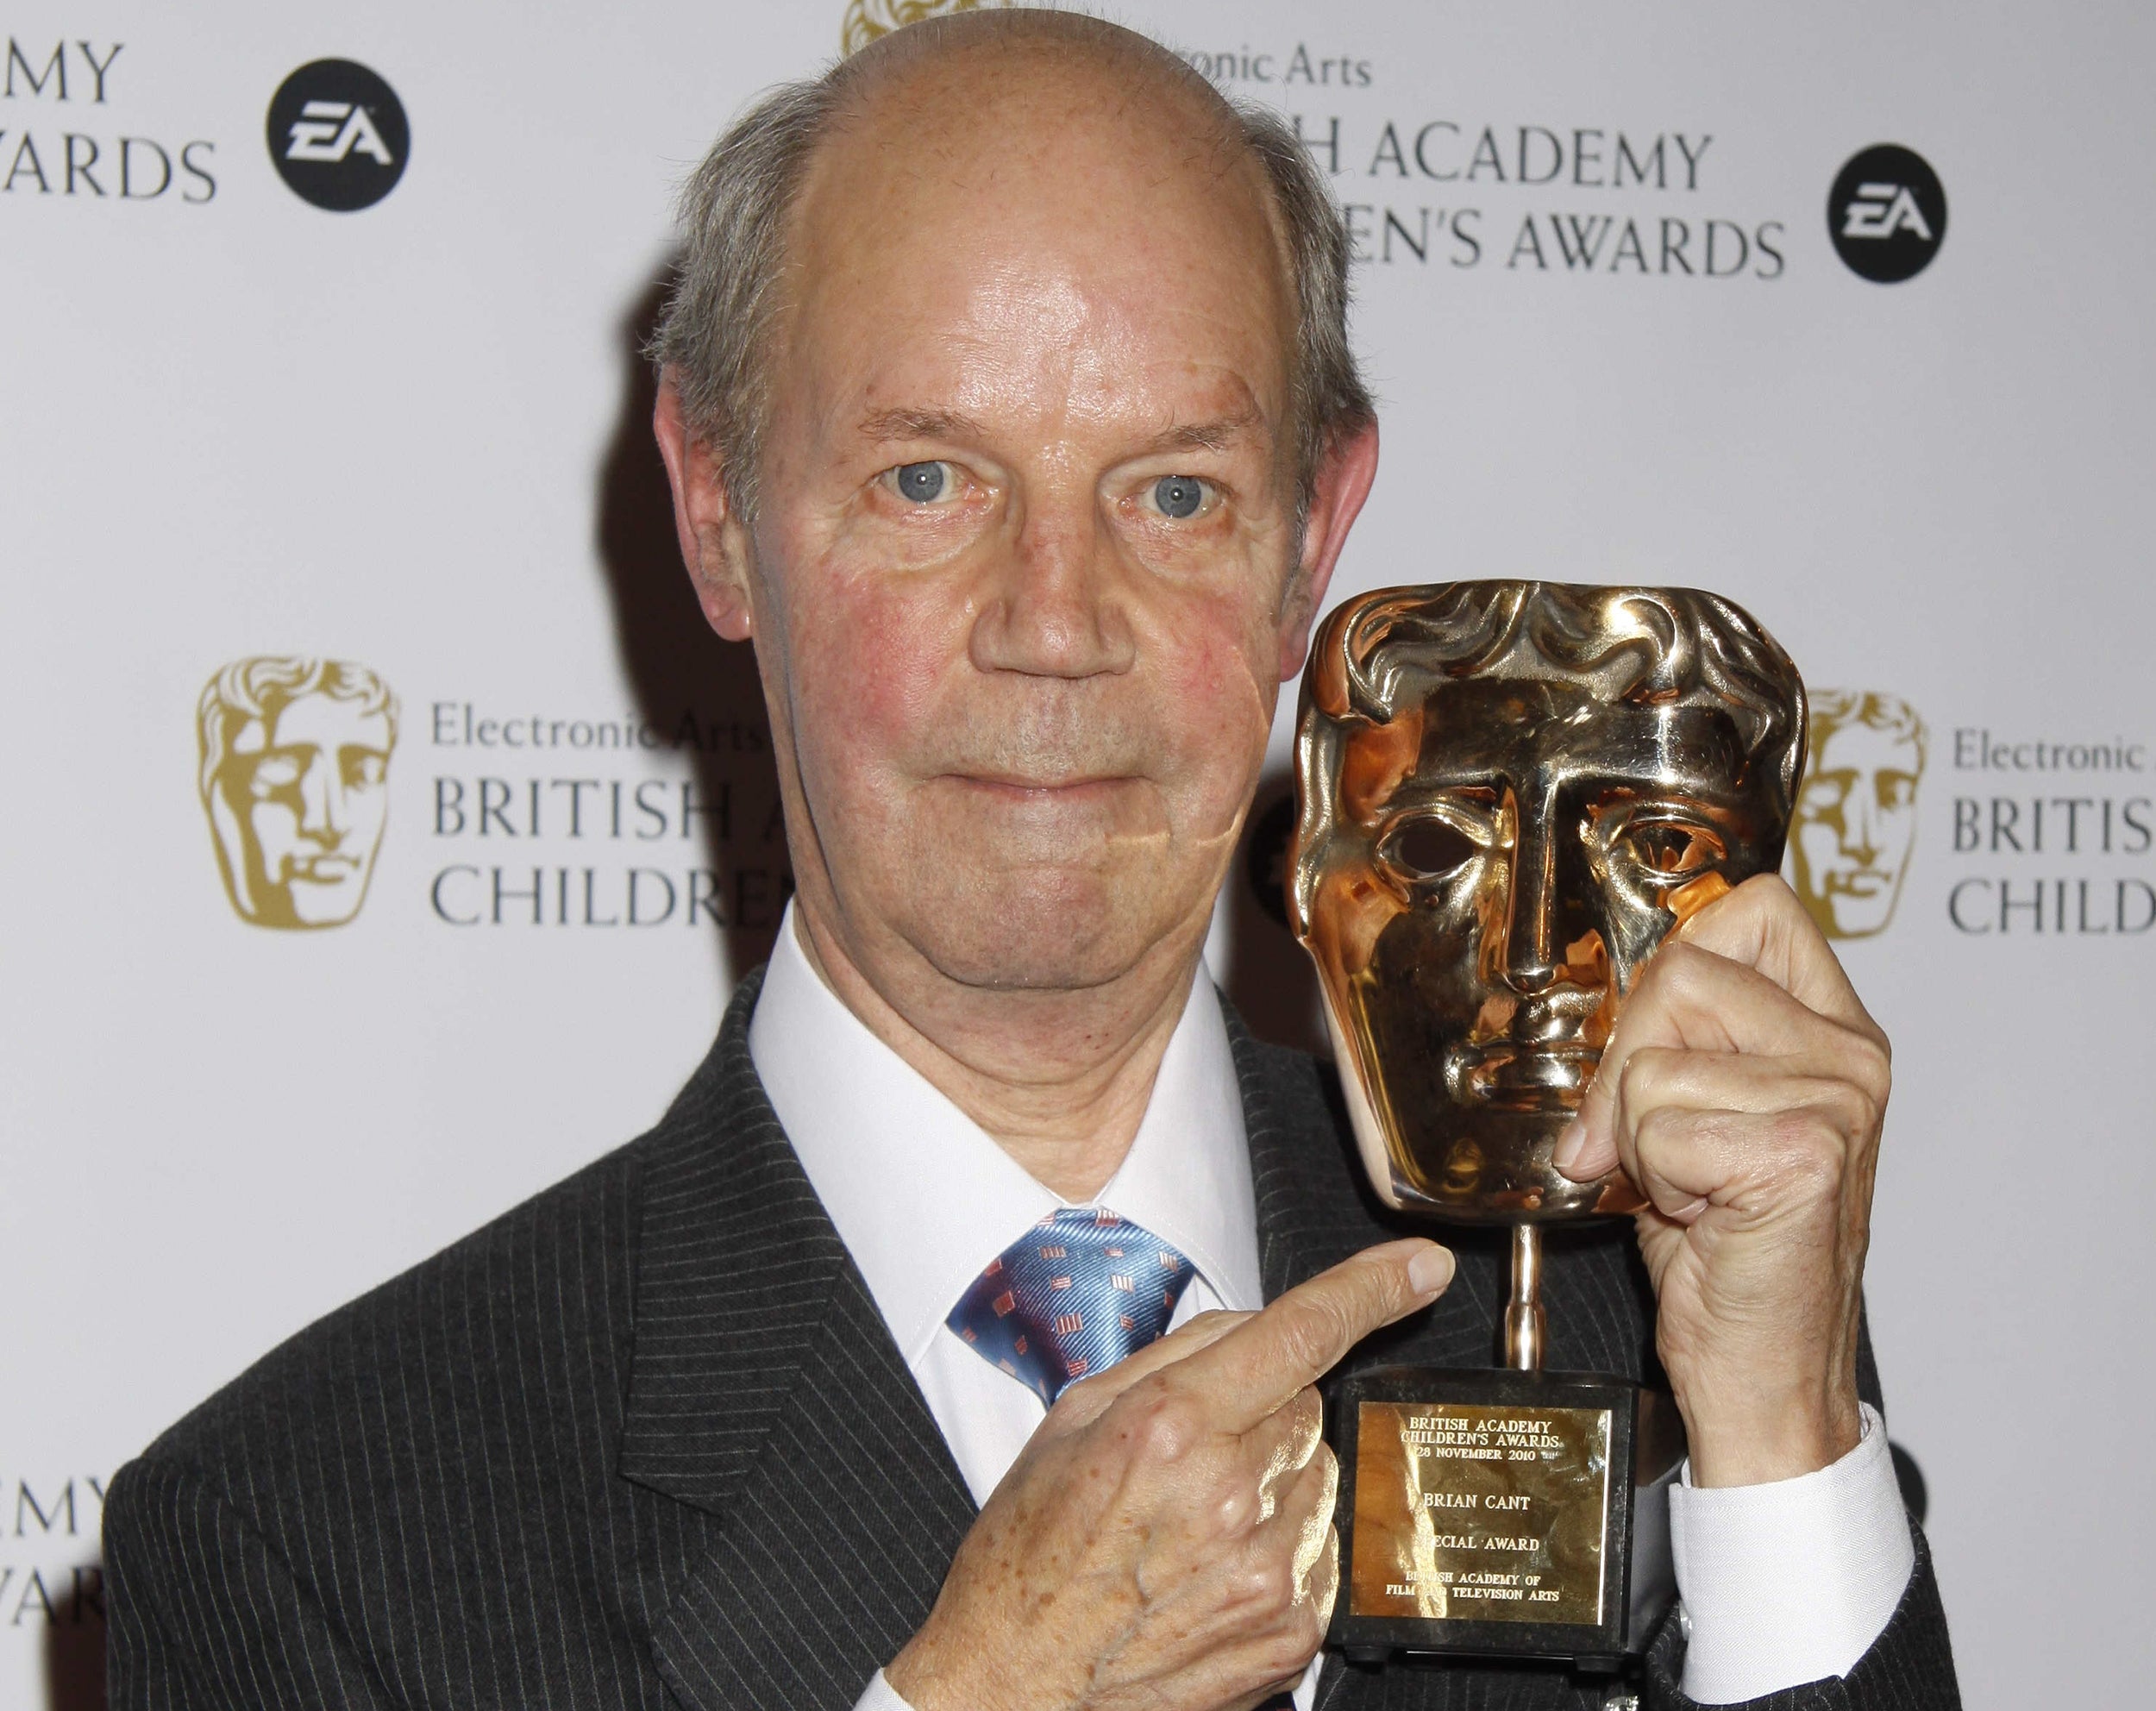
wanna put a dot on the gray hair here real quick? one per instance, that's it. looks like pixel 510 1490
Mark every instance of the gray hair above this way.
pixel 716 332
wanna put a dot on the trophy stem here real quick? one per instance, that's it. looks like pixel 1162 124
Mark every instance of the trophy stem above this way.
pixel 1524 1323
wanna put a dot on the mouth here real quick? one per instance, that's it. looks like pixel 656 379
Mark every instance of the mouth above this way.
pixel 1512 1076
pixel 324 870
pixel 1006 787
pixel 1865 882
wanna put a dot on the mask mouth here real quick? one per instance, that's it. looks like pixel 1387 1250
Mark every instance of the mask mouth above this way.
pixel 322 869
pixel 1509 1075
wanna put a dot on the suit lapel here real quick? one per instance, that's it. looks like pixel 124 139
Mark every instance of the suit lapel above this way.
pixel 765 1391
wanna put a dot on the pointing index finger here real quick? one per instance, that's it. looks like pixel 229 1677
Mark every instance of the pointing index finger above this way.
pixel 1272 1357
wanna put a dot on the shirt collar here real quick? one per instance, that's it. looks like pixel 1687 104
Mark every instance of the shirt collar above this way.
pixel 924 1198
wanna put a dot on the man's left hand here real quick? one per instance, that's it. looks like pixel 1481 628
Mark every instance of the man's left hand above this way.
pixel 1742 1091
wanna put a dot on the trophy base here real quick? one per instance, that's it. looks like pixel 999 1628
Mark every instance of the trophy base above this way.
pixel 1499 1514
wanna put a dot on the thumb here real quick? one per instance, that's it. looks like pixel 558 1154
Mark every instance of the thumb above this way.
pixel 1587 1147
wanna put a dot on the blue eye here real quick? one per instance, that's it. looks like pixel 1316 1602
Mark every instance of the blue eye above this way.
pixel 1179 496
pixel 923 483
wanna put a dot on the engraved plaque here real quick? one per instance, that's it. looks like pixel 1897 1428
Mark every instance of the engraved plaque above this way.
pixel 1471 1512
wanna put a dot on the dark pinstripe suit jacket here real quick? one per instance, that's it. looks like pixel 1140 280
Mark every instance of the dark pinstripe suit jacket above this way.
pixel 645 1442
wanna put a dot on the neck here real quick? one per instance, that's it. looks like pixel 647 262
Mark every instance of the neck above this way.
pixel 1059 1079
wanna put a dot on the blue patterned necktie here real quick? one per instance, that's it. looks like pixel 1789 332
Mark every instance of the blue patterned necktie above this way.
pixel 1074 1295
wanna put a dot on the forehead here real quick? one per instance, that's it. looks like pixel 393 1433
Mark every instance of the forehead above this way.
pixel 1864 748
pixel 326 722
pixel 992 222
pixel 1528 735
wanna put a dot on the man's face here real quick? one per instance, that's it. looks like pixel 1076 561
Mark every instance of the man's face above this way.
pixel 1508 854
pixel 1027 529
pixel 306 790
pixel 1856 819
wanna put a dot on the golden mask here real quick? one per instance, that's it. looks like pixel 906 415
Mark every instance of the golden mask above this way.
pixel 1510 794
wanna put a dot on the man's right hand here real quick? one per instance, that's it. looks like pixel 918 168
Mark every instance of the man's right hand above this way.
pixel 1165 1539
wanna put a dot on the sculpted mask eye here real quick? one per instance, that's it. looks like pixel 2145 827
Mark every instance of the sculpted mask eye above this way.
pixel 1670 851
pixel 275 771
pixel 1423 847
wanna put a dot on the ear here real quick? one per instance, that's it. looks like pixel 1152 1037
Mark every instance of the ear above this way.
pixel 714 545
pixel 1343 481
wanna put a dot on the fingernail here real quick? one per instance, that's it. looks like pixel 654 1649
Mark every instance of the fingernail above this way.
pixel 1431 1270
pixel 1570 1144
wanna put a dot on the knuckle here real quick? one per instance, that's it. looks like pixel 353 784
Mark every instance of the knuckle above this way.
pixel 1268 1584
pixel 1078 1403
pixel 1677 963
pixel 1169 1424
pixel 1238 1509
pixel 1312 1336
pixel 1648 1069
pixel 1658 1127
pixel 1286 1651
pixel 1811 1147
pixel 1871 1065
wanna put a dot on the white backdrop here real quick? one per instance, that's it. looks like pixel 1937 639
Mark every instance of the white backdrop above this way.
pixel 411 436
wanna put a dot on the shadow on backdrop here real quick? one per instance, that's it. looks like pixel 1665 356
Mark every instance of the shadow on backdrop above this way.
pixel 75 1645
pixel 697 691
pixel 1269 977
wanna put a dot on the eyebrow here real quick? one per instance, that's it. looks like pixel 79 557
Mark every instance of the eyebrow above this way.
pixel 920 424
pixel 1219 434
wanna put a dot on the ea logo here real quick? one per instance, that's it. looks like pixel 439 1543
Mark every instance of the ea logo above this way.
pixel 1886 214
pixel 338 135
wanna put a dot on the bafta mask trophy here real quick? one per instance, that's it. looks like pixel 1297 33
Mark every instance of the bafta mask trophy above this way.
pixel 1510 792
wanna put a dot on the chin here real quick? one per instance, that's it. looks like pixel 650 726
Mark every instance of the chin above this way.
pixel 1046 933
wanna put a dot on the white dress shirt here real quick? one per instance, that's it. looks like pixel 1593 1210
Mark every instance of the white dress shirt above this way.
pixel 1783 1583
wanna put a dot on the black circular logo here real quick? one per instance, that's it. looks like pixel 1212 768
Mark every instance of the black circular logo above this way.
pixel 1887 213
pixel 338 135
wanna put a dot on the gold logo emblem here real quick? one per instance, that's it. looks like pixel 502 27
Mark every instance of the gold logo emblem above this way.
pixel 295 772
pixel 865 20
pixel 1856 812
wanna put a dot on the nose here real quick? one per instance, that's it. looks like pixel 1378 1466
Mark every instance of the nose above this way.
pixel 325 815
pixel 1531 928
pixel 1860 824
pixel 1055 605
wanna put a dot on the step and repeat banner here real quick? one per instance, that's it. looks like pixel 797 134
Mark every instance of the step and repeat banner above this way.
pixel 385 830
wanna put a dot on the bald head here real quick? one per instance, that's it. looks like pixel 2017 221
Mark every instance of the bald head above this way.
pixel 1023 113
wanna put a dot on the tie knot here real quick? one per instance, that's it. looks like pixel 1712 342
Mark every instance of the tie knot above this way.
pixel 1078 1292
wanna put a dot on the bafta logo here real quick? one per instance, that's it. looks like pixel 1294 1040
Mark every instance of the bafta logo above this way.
pixel 865 20
pixel 1856 814
pixel 295 770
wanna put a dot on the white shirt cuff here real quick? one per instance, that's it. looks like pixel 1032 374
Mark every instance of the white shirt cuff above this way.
pixel 880 1695
pixel 1790 1581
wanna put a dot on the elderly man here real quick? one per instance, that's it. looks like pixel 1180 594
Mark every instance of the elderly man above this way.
pixel 1008 408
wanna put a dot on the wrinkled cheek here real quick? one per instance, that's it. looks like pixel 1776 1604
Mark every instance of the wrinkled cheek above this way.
pixel 1220 687
pixel 865 664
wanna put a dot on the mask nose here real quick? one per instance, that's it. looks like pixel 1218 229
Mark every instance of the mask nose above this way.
pixel 325 815
pixel 1530 961
pixel 1860 823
